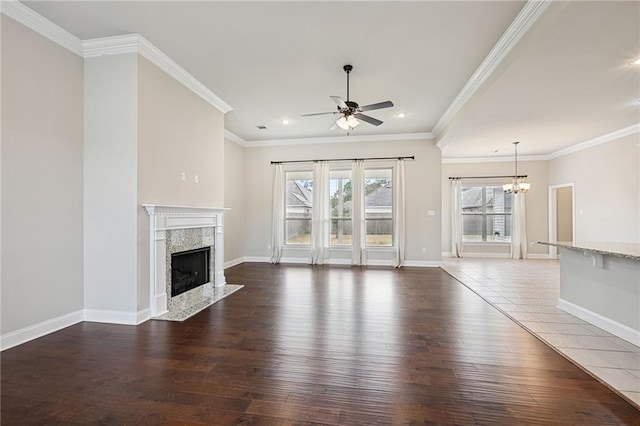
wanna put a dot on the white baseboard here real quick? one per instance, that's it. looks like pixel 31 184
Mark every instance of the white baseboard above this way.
pixel 622 331
pixel 486 255
pixel 255 259
pixel 539 256
pixel 423 263
pixel 446 254
pixel 234 262
pixel 26 334
pixel 143 315
pixel 111 317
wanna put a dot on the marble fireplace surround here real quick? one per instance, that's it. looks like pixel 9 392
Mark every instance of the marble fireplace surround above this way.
pixel 174 229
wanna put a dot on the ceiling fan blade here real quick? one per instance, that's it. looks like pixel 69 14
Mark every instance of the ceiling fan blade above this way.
pixel 368 119
pixel 319 113
pixel 338 100
pixel 379 105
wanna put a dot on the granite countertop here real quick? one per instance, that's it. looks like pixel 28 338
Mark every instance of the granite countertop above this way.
pixel 626 250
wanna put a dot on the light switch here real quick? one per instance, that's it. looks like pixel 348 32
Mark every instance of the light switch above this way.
pixel 196 179
pixel 183 176
pixel 431 212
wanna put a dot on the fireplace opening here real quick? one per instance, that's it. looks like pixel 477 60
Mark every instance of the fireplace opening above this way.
pixel 189 269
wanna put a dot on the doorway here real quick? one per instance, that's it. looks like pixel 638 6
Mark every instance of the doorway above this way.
pixel 561 215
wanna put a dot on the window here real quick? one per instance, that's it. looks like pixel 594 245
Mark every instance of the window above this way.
pixel 486 214
pixel 299 202
pixel 378 202
pixel 341 203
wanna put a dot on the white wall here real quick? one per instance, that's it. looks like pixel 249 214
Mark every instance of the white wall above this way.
pixel 422 189
pixel 234 187
pixel 110 190
pixel 537 201
pixel 606 178
pixel 42 110
pixel 177 132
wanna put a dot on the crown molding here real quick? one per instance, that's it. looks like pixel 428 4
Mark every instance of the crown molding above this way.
pixel 501 159
pixel 229 135
pixel 527 17
pixel 599 140
pixel 135 43
pixel 339 139
pixel 41 25
pixel 596 141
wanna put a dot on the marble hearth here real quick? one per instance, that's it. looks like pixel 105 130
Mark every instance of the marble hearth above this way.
pixel 175 229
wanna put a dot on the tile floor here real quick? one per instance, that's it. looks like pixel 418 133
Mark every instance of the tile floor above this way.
pixel 528 291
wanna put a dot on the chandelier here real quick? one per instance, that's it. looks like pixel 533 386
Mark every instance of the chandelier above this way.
pixel 517 185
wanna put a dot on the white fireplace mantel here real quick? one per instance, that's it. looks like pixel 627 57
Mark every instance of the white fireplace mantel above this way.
pixel 164 218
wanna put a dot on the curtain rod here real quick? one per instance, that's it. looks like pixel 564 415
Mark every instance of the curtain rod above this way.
pixel 485 177
pixel 345 159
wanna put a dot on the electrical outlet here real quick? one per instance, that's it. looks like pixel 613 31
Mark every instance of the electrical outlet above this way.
pixel 183 176
pixel 424 250
pixel 268 246
pixel 196 179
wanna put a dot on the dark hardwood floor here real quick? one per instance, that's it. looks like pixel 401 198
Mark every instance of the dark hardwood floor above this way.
pixel 334 345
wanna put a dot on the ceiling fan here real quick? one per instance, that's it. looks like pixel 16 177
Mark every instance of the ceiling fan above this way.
pixel 350 112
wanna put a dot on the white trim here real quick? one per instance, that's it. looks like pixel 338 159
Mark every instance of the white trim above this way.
pixel 111 317
pixel 620 133
pixel 446 254
pixel 41 25
pixel 132 43
pixel 538 256
pixel 116 45
pixel 486 255
pixel 339 139
pixel 234 262
pixel 143 315
pixel 528 16
pixel 26 334
pixel 627 333
pixel 230 136
pixel 501 159
pixel 553 209
pixel 256 259
pixel 423 263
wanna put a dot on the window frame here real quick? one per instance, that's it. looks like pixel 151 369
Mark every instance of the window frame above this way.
pixel 391 167
pixel 484 215
pixel 299 169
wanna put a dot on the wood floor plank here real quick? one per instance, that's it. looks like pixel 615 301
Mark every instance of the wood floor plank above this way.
pixel 309 345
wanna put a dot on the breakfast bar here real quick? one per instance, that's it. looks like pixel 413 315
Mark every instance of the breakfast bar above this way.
pixel 600 283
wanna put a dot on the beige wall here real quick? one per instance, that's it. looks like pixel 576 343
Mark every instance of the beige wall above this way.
pixel 422 189
pixel 564 213
pixel 42 136
pixel 537 201
pixel 234 186
pixel 177 132
pixel 606 178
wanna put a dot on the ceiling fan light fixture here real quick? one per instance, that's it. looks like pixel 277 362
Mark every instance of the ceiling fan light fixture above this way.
pixel 347 123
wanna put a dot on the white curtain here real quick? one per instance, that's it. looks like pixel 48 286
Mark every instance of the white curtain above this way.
pixel 519 227
pixel 456 218
pixel 359 229
pixel 277 212
pixel 321 214
pixel 398 207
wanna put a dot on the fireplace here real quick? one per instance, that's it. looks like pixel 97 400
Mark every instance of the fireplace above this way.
pixel 189 269
pixel 176 231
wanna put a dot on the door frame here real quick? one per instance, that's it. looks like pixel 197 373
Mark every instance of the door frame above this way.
pixel 553 209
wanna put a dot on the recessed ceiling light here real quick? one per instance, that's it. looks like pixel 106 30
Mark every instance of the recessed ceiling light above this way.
pixel 402 115
pixel 285 121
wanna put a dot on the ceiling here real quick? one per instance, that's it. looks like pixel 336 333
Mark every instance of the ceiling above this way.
pixel 568 80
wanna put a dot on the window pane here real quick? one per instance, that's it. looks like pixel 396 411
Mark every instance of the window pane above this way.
pixel 472 199
pixel 378 204
pixel 497 200
pixel 340 193
pixel 472 227
pixel 499 227
pixel 299 199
